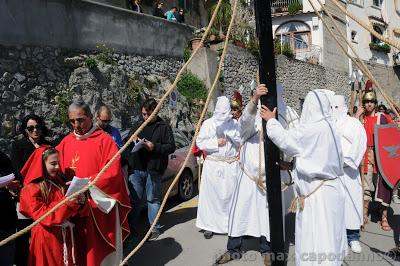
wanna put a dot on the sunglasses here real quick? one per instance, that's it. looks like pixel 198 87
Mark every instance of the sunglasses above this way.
pixel 32 128
pixel 106 121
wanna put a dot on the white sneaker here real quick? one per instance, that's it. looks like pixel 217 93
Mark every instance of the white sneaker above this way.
pixel 355 246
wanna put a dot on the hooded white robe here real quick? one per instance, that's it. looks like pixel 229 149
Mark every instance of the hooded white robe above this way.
pixel 315 144
pixel 218 178
pixel 249 210
pixel 354 144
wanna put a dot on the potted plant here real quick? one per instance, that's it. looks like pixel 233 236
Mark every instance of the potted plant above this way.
pixel 380 47
pixel 196 40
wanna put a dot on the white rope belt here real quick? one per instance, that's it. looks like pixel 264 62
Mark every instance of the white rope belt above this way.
pixel 258 180
pixel 64 227
pixel 215 158
pixel 299 200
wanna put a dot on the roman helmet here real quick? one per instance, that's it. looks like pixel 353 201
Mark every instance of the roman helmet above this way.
pixel 369 93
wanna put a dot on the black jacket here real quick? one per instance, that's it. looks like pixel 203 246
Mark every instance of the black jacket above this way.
pixel 155 162
pixel 21 149
pixel 7 203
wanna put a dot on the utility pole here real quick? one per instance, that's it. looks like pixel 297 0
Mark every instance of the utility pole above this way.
pixel 271 152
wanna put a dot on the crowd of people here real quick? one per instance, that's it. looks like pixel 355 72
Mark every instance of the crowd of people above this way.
pixel 89 229
pixel 173 14
pixel 330 154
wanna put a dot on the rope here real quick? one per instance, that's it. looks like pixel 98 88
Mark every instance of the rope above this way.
pixel 387 40
pixel 203 113
pixel 100 174
pixel 359 61
pixel 300 199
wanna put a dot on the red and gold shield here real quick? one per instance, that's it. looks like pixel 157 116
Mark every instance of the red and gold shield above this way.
pixel 387 150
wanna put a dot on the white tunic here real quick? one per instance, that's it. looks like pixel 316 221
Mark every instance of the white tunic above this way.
pixel 218 178
pixel 249 210
pixel 354 144
pixel 320 231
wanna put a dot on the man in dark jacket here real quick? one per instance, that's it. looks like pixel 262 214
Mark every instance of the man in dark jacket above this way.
pixel 147 165
pixel 8 222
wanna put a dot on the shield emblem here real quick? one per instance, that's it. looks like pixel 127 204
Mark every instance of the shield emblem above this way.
pixel 387 150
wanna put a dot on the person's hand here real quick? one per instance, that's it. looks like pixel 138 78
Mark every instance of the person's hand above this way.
pixel 14 186
pixel 285 165
pixel 359 112
pixel 149 145
pixel 260 91
pixel 266 114
pixel 221 142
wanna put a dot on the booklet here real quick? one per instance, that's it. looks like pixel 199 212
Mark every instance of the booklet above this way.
pixel 5 180
pixel 138 145
pixel 77 184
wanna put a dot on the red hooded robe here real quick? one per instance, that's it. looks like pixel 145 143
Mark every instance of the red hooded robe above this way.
pixel 85 158
pixel 47 240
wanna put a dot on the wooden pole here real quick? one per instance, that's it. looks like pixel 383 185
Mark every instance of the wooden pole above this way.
pixel 271 152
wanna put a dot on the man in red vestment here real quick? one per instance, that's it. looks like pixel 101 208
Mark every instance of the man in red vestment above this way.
pixel 83 153
pixel 373 181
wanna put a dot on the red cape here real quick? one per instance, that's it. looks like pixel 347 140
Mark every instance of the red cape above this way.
pixel 85 158
pixel 46 245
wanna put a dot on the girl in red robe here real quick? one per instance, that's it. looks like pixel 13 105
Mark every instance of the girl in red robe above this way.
pixel 52 241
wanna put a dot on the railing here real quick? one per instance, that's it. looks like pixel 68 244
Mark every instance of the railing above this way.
pixel 302 50
pixel 281 6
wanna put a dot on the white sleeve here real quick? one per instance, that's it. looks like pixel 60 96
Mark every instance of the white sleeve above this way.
pixel 207 139
pixel 247 121
pixel 286 140
pixel 355 134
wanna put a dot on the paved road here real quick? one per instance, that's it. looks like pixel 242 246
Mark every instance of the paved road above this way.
pixel 182 244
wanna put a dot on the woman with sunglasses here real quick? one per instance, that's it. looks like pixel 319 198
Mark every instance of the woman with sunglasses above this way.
pixel 33 132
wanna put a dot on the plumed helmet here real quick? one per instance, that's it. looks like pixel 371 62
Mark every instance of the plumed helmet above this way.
pixel 237 100
pixel 369 96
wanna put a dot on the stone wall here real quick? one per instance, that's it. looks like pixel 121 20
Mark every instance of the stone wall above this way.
pixel 80 24
pixel 42 80
pixel 297 77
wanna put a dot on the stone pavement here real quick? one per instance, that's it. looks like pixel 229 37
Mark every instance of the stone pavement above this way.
pixel 182 244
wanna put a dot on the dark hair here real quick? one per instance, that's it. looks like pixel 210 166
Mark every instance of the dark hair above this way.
pixel 174 7
pixel 150 104
pixel 382 106
pixel 38 120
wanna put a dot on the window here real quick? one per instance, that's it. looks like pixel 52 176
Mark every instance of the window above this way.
pixel 379 30
pixel 353 36
pixel 357 2
pixel 377 3
pixel 295 33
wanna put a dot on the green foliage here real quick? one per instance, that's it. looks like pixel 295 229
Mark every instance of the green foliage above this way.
pixel 191 87
pixel 293 8
pixel 381 47
pixel 284 49
pixel 187 52
pixel 91 62
pixel 104 54
pixel 134 89
pixel 63 99
pixel 253 47
pixel 223 16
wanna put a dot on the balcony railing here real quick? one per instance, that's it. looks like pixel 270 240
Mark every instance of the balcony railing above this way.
pixel 281 6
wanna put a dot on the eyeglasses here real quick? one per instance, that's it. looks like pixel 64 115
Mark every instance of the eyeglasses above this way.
pixel 32 128
pixel 105 121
